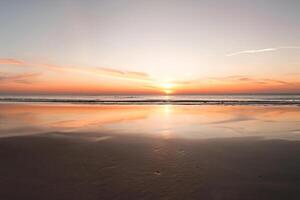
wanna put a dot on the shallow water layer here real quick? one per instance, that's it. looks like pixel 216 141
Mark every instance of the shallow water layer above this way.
pixel 160 121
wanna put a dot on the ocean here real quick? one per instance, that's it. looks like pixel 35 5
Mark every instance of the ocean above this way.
pixel 274 99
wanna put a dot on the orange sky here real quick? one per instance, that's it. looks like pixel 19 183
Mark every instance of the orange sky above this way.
pixel 20 77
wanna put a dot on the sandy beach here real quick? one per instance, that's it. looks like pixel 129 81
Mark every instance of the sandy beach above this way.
pixel 51 167
pixel 70 152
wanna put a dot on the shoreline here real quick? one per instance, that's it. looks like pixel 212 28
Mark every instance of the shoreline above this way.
pixel 152 102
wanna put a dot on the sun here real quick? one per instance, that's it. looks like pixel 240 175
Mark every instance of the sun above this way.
pixel 167 87
pixel 168 91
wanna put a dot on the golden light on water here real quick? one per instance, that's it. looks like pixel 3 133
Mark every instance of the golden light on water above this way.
pixel 164 121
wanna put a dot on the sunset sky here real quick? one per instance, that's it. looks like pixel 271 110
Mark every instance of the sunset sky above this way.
pixel 149 47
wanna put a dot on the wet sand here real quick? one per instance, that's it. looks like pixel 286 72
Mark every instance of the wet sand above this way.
pixel 55 166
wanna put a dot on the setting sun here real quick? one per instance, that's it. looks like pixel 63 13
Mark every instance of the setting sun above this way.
pixel 168 91
pixel 167 87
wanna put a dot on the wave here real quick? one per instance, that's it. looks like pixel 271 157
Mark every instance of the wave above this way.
pixel 160 101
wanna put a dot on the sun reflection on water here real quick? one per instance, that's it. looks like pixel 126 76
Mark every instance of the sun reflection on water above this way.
pixel 164 121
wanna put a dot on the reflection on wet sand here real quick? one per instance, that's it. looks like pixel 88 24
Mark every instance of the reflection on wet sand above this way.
pixel 149 152
pixel 165 121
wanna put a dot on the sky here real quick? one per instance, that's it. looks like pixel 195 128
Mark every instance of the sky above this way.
pixel 149 47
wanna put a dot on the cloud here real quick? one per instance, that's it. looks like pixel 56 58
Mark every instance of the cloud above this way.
pixel 102 71
pixel 116 73
pixel 233 78
pixel 25 78
pixel 13 61
pixel 277 81
pixel 253 51
pixel 243 78
pixel 10 61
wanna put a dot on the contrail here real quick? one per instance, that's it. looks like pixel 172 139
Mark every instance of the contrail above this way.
pixel 252 51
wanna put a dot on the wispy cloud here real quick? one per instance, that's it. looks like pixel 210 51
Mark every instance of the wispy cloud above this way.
pixel 116 73
pixel 249 79
pixel 10 61
pixel 253 51
pixel 25 78
pixel 102 71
